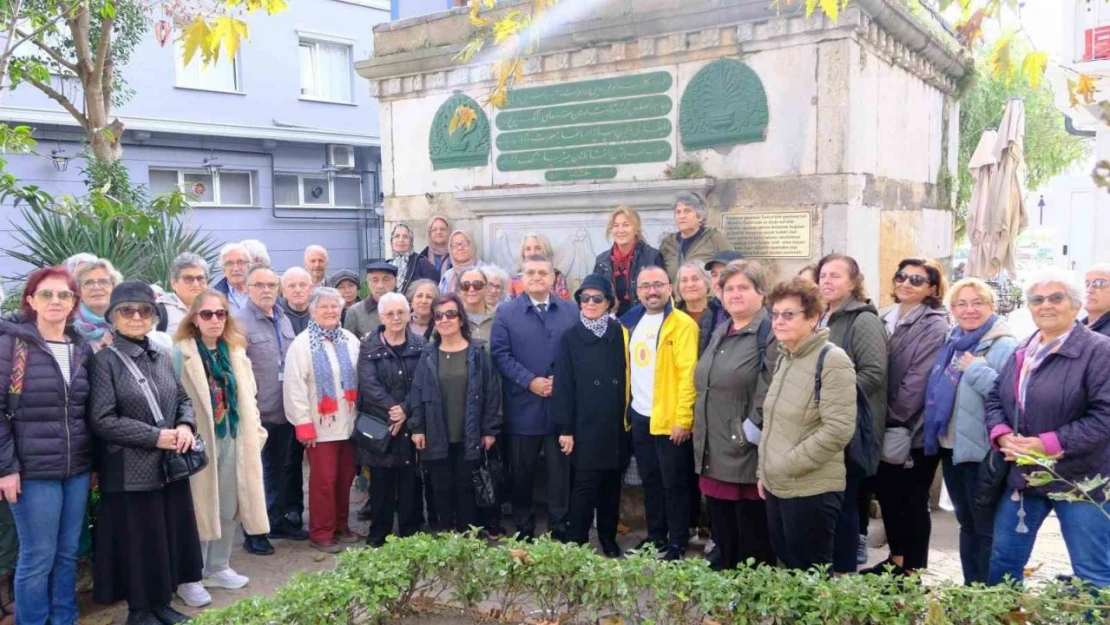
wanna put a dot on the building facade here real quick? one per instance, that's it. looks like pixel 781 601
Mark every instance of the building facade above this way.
pixel 280 143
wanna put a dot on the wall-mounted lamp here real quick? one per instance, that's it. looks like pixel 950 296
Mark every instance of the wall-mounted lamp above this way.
pixel 60 159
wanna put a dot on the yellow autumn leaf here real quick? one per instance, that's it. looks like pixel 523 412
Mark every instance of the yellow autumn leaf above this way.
pixel 195 38
pixel 1073 99
pixel 1001 61
pixel 464 117
pixel 972 27
pixel 507 26
pixel 1086 88
pixel 475 5
pixel 497 98
pixel 1033 67
pixel 226 35
pixel 831 8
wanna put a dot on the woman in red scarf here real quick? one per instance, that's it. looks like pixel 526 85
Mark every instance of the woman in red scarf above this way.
pixel 630 253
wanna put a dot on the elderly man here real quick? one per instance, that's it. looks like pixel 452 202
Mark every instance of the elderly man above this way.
pixel 525 335
pixel 694 240
pixel 1097 282
pixel 296 289
pixel 316 261
pixel 188 279
pixel 259 254
pixel 235 259
pixel 362 318
pixel 269 335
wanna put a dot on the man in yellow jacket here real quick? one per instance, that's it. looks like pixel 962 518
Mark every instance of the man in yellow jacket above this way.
pixel 662 354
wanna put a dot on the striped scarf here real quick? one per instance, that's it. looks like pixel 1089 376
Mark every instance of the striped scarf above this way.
pixel 327 402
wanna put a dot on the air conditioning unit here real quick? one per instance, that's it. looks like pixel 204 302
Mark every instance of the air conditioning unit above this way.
pixel 341 156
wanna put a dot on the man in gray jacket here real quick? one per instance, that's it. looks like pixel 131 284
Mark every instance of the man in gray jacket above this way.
pixel 269 335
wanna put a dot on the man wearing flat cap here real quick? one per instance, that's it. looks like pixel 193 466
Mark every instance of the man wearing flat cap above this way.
pixel 362 318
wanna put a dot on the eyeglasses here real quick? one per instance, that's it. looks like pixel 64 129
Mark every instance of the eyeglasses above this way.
pixel 101 283
pixel 652 286
pixel 785 315
pixel 1054 299
pixel 493 286
pixel 440 315
pixel 1098 283
pixel 270 286
pixel 961 305
pixel 130 312
pixel 532 273
pixel 194 279
pixel 592 299
pixel 236 263
pixel 477 285
pixel 914 279
pixel 461 245
pixel 207 315
pixel 46 295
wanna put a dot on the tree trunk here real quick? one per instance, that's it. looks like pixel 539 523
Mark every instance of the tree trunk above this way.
pixel 95 70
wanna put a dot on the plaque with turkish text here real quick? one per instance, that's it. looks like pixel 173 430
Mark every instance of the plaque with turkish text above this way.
pixel 770 235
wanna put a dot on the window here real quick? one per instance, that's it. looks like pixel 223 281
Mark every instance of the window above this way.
pixel 223 75
pixel 314 191
pixel 229 188
pixel 326 71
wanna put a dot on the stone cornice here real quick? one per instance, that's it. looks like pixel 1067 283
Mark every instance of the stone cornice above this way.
pixel 563 198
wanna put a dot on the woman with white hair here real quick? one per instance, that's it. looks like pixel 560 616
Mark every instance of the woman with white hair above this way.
pixel 497 287
pixel 1053 398
pixel 258 252
pixel 320 390
pixel 1097 284
pixel 73 263
pixel 694 240
pixel 536 244
pixel 464 257
pixel 96 279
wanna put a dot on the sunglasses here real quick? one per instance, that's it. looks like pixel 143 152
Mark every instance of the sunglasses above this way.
pixel 477 285
pixel 785 315
pixel 47 295
pixel 208 314
pixel 592 299
pixel 914 279
pixel 1055 299
pixel 129 312
pixel 440 315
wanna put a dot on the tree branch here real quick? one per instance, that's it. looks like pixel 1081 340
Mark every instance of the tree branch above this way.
pixel 104 47
pixel 61 99
pixel 79 27
pixel 106 85
pixel 61 60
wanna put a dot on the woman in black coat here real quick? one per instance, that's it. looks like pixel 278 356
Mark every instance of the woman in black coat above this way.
pixel 410 265
pixel 387 363
pixel 620 264
pixel 590 403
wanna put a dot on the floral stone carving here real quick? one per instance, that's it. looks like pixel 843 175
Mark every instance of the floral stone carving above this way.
pixel 723 105
pixel 466 146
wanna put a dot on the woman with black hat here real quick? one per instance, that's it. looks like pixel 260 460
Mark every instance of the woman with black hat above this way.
pixel 591 401
pixel 146 538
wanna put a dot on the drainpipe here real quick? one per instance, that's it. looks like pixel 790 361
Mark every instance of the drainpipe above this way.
pixel 1069 126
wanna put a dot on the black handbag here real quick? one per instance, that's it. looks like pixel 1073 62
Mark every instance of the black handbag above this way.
pixel 990 481
pixel 175 466
pixel 487 479
pixel 372 433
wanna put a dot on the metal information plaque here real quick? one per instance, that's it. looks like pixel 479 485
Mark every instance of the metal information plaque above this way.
pixel 770 235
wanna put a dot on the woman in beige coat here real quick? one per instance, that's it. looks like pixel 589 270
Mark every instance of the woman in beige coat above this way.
pixel 210 358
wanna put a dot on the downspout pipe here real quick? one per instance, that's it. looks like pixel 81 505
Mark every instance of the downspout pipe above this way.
pixel 1069 126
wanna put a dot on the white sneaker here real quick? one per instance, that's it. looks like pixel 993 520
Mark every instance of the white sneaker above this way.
pixel 194 595
pixel 226 578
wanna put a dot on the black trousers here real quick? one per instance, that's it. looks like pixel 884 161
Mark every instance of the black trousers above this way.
pixel 393 491
pixel 595 490
pixel 525 456
pixel 904 497
pixel 281 471
pixel 741 532
pixel 664 468
pixel 846 543
pixel 802 528
pixel 294 478
pixel 453 490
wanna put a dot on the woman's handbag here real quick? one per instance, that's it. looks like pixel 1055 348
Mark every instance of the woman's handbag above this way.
pixel 990 480
pixel 372 433
pixel 897 443
pixel 487 478
pixel 175 466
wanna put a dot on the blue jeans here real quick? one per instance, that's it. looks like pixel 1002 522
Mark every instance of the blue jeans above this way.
pixel 48 518
pixel 976 523
pixel 1086 533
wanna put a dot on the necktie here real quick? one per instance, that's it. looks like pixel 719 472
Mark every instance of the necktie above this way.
pixel 542 308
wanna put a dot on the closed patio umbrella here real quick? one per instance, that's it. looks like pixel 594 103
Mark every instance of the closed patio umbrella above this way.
pixel 983 167
pixel 1007 189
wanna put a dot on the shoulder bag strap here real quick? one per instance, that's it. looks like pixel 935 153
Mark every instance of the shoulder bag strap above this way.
pixel 144 384
pixel 818 371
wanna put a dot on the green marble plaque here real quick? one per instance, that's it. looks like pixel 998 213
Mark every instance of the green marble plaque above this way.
pixel 723 105
pixel 466 147
pixel 620 154
pixel 587 90
pixel 581 173
pixel 567 136
pixel 644 107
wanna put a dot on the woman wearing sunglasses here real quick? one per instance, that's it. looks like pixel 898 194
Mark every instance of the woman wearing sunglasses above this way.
pixel 455 397
pixel 801 448
pixel 918 325
pixel 45 445
pixel 472 288
pixel 146 536
pixel 211 359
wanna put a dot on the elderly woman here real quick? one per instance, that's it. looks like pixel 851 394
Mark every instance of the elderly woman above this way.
pixel 964 374
pixel 211 359
pixel 854 326
pixel 732 377
pixel 621 264
pixel 410 266
pixel 694 240
pixel 472 289
pixel 1053 398
pixel 45 444
pixel 96 279
pixel 805 429
pixel 420 295
pixel 918 326
pixel 389 359
pixel 533 244
pixel 320 389
pixel 590 403
pixel 695 289
pixel 497 283
pixel 146 535
pixel 464 256
pixel 437 251
pixel 456 394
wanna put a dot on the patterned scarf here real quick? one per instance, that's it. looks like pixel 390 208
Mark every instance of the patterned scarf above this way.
pixel 90 325
pixel 622 269
pixel 1035 355
pixel 597 326
pixel 401 260
pixel 440 255
pixel 221 386
pixel 326 402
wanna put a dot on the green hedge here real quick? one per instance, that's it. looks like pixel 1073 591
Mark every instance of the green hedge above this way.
pixel 574 584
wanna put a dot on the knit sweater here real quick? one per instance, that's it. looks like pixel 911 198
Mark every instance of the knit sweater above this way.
pixel 299 390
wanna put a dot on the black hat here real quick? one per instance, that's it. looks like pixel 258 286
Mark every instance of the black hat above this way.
pixel 381 265
pixel 594 281
pixel 723 257
pixel 341 276
pixel 130 292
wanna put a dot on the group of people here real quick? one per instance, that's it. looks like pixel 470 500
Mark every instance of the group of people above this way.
pixel 783 407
